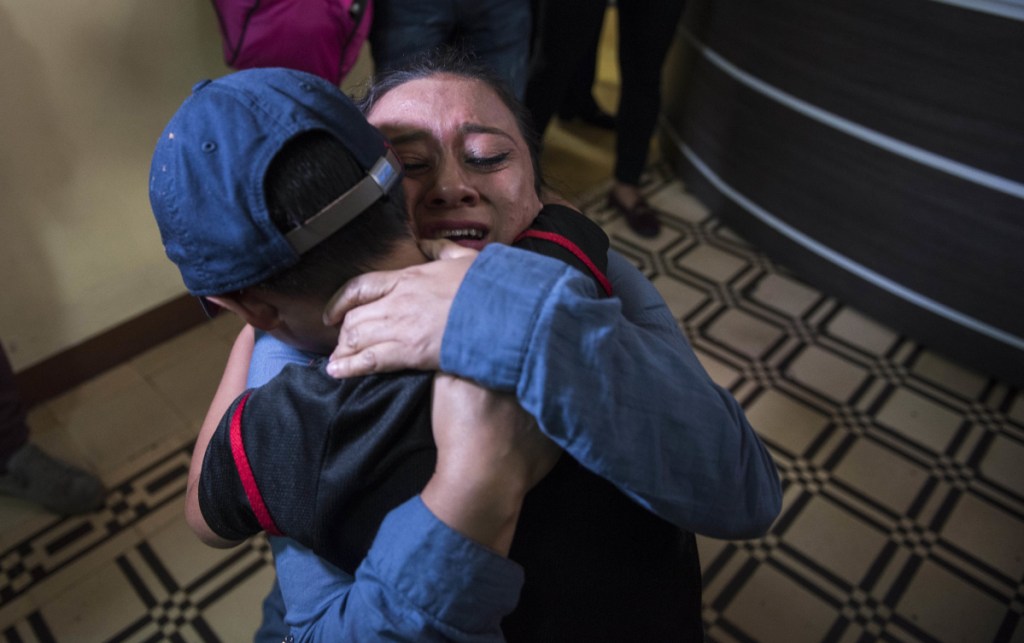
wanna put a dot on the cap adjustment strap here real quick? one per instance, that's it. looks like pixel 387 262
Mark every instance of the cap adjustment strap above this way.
pixel 380 179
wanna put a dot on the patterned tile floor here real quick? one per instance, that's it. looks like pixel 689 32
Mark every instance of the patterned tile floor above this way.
pixel 903 514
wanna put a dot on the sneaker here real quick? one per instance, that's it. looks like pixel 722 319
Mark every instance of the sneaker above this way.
pixel 60 487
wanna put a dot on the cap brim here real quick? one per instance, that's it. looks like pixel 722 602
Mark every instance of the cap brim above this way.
pixel 211 309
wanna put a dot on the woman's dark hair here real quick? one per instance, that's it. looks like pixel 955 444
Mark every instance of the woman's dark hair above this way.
pixel 456 62
pixel 308 173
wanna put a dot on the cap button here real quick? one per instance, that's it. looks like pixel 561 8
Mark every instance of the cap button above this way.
pixel 200 85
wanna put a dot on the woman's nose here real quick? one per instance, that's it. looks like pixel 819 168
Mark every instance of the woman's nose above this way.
pixel 451 188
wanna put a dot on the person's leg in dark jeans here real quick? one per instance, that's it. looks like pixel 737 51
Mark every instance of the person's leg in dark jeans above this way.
pixel 28 473
pixel 401 29
pixel 578 102
pixel 646 28
pixel 13 428
pixel 495 31
pixel 498 33
pixel 565 31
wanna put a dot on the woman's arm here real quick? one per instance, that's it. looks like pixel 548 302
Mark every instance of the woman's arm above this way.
pixel 612 381
pixel 437 569
pixel 489 455
pixel 617 385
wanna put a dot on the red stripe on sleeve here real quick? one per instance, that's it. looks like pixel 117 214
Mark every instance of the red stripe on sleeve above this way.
pixel 252 491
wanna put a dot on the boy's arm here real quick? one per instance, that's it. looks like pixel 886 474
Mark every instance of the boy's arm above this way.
pixel 232 384
pixel 240 373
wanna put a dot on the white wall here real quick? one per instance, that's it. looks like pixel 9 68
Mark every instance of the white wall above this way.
pixel 85 89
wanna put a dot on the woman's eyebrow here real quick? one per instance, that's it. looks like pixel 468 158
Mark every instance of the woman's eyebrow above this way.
pixel 406 137
pixel 475 128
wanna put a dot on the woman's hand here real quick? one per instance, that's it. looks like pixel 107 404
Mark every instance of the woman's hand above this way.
pixel 395 320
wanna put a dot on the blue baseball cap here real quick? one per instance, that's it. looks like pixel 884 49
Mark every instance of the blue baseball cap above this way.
pixel 207 177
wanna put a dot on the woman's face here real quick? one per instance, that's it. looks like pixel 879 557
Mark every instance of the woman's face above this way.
pixel 468 172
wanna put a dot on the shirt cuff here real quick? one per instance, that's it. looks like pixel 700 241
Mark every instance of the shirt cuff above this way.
pixel 447 576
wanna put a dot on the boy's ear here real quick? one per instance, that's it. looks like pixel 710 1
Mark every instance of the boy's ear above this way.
pixel 251 307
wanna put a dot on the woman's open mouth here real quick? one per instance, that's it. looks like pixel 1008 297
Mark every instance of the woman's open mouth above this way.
pixel 465 233
pixel 461 234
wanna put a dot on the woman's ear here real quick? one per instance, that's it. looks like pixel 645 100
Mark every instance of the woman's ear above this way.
pixel 253 308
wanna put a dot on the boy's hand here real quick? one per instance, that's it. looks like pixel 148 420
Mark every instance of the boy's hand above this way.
pixel 490 453
pixel 395 320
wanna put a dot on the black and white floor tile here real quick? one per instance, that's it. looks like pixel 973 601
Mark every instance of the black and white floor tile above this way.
pixel 903 516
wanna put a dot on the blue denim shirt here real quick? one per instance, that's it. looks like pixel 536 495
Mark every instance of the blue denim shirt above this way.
pixel 421 581
pixel 611 380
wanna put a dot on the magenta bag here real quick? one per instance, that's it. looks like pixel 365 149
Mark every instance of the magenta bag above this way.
pixel 323 37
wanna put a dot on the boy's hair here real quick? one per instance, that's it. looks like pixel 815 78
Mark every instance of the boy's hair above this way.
pixel 211 183
pixel 308 173
pixel 449 60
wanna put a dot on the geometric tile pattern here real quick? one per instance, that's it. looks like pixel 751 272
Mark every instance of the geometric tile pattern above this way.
pixel 903 503
pixel 63 542
pixel 903 473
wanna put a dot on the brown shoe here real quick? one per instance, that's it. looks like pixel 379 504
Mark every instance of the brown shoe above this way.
pixel 641 218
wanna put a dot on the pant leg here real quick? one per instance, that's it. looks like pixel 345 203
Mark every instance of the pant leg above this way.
pixel 579 93
pixel 498 33
pixel 646 28
pixel 402 29
pixel 13 428
pixel 566 29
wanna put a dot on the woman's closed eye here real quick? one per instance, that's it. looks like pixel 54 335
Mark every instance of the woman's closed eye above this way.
pixel 487 162
pixel 414 166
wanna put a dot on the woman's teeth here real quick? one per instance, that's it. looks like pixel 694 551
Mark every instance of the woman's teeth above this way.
pixel 461 234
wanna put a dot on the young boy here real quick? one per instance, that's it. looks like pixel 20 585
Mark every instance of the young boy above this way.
pixel 325 461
